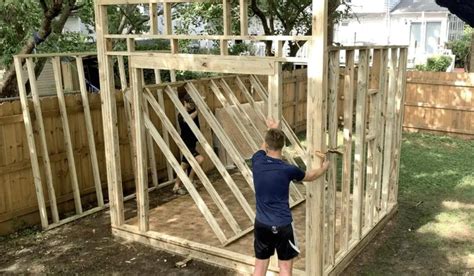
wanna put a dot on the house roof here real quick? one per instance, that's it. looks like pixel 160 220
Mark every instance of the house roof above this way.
pixel 418 6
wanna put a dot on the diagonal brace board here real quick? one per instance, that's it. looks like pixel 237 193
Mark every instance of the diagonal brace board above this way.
pixel 212 155
pixel 196 167
pixel 220 133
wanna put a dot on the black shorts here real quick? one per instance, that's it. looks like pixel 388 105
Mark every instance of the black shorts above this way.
pixel 269 238
pixel 193 151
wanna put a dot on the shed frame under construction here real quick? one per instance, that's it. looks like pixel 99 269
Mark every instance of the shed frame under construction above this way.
pixel 373 85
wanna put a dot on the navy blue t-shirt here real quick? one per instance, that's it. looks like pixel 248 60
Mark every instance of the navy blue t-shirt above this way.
pixel 272 178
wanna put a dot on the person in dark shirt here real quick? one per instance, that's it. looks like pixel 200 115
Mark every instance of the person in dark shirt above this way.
pixel 273 223
pixel 190 140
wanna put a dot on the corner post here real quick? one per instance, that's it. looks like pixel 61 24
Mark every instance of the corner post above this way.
pixel 316 137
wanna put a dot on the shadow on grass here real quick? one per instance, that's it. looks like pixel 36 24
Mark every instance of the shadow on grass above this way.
pixel 433 232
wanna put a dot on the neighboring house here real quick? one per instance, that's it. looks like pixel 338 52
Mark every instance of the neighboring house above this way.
pixel 421 24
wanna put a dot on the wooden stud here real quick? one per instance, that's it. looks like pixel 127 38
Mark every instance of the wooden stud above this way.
pixel 109 117
pixel 380 115
pixel 316 137
pixel 359 153
pixel 370 139
pixel 31 142
pixel 90 131
pixel 168 20
pixel 332 143
pixel 200 204
pixel 226 9
pixel 152 7
pixel 161 101
pixel 221 135
pixel 141 177
pixel 347 157
pixel 389 126
pixel 150 150
pixel 275 93
pixel 194 164
pixel 400 101
pixel 278 44
pixel 67 134
pixel 224 47
pixel 44 146
pixel 211 153
pixel 244 20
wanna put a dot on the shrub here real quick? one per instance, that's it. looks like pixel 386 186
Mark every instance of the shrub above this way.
pixel 435 64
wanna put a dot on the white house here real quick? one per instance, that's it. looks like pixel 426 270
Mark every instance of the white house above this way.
pixel 421 24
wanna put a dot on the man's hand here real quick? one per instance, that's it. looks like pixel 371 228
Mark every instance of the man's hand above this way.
pixel 271 123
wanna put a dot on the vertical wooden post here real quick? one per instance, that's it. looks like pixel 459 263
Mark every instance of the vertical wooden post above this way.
pixel 347 161
pixel 153 18
pixel 275 93
pixel 168 30
pixel 141 177
pixel 399 105
pixel 31 143
pixel 332 143
pixel 67 134
pixel 44 146
pixel 360 146
pixel 389 126
pixel 227 17
pixel 244 21
pixel 109 116
pixel 90 131
pixel 316 137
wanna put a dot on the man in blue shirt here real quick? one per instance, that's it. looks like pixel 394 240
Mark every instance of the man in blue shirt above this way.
pixel 273 222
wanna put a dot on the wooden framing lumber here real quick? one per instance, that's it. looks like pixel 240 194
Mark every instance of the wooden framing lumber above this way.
pixel 234 116
pixel 90 132
pixel 44 146
pixel 215 37
pixel 194 165
pixel 347 157
pixel 399 111
pixel 316 137
pixel 221 135
pixel 109 117
pixel 275 93
pixel 332 143
pixel 233 99
pixel 67 134
pixel 389 128
pixel 379 140
pixel 31 142
pixel 223 64
pixel 153 17
pixel 360 144
pixel 141 166
pixel 186 182
pixel 244 20
pixel 284 124
pixel 212 155
pixel 130 2
pixel 150 149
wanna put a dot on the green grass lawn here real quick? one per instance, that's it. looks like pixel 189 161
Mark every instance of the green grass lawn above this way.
pixel 433 232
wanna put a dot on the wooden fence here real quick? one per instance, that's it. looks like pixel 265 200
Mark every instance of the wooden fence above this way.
pixel 440 103
pixel 18 203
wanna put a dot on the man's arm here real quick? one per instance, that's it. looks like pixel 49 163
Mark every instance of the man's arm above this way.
pixel 270 124
pixel 194 114
pixel 314 174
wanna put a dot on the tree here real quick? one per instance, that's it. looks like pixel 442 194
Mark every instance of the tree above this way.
pixel 32 25
pixel 462 47
pixel 277 17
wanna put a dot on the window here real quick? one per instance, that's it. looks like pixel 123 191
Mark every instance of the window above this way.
pixel 433 36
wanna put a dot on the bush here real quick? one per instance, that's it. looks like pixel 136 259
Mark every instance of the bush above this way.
pixel 436 64
pixel 461 47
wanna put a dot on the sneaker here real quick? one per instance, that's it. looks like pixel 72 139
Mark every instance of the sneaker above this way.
pixel 179 191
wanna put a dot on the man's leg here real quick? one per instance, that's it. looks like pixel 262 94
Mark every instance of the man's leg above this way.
pixel 286 267
pixel 178 182
pixel 261 267
pixel 199 159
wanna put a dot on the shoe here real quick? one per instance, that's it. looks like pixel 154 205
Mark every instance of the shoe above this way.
pixel 179 191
